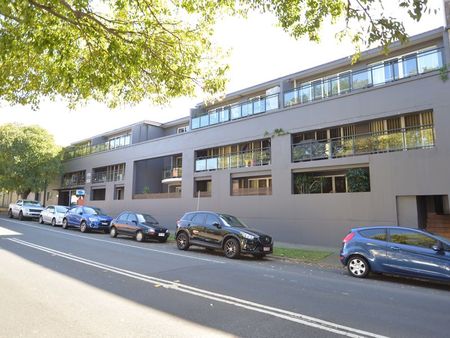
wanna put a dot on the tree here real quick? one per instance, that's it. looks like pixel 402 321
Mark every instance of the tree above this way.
pixel 29 159
pixel 124 51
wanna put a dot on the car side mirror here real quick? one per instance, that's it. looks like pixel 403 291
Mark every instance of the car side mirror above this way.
pixel 217 225
pixel 437 247
pixel 135 222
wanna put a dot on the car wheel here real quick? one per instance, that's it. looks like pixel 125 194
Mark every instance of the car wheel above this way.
pixel 231 248
pixel 83 227
pixel 358 267
pixel 53 222
pixel 21 216
pixel 41 220
pixel 65 225
pixel 10 214
pixel 113 232
pixel 182 241
pixel 139 236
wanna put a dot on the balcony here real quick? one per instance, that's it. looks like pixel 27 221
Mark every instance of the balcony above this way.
pixel 419 137
pixel 347 82
pixel 172 175
pixel 73 182
pixel 78 151
pixel 234 160
pixel 107 176
pixel 237 111
pixel 252 191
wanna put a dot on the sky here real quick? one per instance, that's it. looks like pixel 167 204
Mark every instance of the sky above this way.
pixel 260 52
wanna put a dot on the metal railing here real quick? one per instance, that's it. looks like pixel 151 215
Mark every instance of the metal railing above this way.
pixel 370 143
pixel 72 182
pixel 252 191
pixel 107 176
pixel 234 160
pixel 343 83
pixel 237 111
pixel 172 173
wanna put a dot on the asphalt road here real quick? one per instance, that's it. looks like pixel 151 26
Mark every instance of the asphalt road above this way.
pixel 56 282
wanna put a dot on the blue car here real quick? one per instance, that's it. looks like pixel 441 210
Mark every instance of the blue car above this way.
pixel 86 218
pixel 396 250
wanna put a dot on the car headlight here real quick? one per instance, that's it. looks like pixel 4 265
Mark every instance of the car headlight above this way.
pixel 247 236
pixel 150 230
pixel 92 219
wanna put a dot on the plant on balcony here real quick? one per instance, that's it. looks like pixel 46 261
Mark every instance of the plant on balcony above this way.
pixel 358 180
pixel 307 184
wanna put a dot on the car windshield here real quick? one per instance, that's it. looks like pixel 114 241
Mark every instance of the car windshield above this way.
pixel 92 211
pixel 144 218
pixel 60 209
pixel 232 221
pixel 32 203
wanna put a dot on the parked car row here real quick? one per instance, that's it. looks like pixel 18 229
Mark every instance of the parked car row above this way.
pixel 213 231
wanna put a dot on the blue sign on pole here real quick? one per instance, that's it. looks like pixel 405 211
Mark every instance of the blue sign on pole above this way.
pixel 80 192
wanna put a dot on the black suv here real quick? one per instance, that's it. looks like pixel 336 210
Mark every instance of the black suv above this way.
pixel 220 231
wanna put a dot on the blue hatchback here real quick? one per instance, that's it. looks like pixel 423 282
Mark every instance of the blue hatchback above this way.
pixel 86 218
pixel 396 250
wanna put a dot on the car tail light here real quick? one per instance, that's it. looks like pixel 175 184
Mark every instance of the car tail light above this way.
pixel 349 237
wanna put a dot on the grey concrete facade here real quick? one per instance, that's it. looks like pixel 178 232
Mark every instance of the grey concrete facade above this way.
pixel 396 178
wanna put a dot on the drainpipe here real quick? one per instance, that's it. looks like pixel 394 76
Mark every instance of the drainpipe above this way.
pixel 447 32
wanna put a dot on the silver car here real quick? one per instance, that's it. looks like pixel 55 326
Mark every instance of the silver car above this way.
pixel 53 215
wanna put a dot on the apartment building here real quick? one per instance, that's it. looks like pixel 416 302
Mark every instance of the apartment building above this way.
pixel 304 157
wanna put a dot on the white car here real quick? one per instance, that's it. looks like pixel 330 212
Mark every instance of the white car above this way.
pixel 53 215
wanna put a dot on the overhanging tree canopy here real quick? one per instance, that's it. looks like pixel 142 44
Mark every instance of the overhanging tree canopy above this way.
pixel 29 159
pixel 124 51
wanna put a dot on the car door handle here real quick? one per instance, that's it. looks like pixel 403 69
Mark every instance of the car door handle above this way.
pixel 396 248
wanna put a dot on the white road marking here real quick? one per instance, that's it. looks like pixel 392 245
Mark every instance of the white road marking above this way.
pixel 242 303
pixel 7 232
pixel 118 243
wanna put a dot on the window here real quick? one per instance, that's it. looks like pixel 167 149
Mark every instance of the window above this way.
pixel 132 218
pixel 203 188
pixel 211 219
pixel 248 186
pixel 378 234
pixel 225 114
pixel 235 112
pixel 213 117
pixel 98 194
pixel 119 193
pixel 332 181
pixel 409 237
pixel 123 217
pixel 183 129
pixel 198 219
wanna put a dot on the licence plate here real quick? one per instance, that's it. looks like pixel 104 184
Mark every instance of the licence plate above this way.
pixel 266 248
pixel 104 223
pixel 161 234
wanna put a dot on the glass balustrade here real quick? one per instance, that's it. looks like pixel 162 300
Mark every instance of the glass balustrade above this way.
pixel 371 143
pixel 234 160
pixel 237 111
pixel 380 74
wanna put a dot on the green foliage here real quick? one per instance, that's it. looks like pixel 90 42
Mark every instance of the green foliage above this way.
pixel 146 190
pixel 443 73
pixel 358 180
pixel 307 183
pixel 29 158
pixel 119 51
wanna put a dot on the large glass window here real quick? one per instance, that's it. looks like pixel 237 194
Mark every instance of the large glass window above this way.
pixel 236 112
pixel 361 79
pixel 213 117
pixel 225 114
